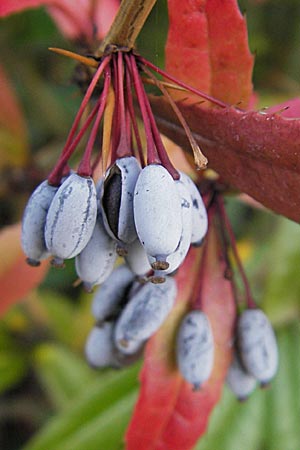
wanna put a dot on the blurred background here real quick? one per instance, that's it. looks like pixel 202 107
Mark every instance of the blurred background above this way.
pixel 49 398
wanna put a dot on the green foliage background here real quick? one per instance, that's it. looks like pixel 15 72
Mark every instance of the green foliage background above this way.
pixel 50 399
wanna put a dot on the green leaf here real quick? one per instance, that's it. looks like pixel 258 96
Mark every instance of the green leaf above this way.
pixel 235 425
pixel 105 431
pixel 281 300
pixel 63 374
pixel 69 323
pixel 13 363
pixel 283 431
pixel 269 420
pixel 60 314
pixel 12 368
pixel 97 398
pixel 13 152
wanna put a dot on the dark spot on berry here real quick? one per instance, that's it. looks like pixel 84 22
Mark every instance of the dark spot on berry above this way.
pixel 185 203
pixel 112 198
pixel 190 321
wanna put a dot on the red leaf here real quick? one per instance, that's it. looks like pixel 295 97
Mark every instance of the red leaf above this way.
pixel 13 6
pixel 13 132
pixel 78 19
pixel 168 414
pixel 207 47
pixel 16 277
pixel 289 109
pixel 75 19
pixel 255 152
pixel 11 117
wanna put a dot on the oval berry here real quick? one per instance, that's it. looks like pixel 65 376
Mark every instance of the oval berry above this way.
pixel 257 345
pixel 33 223
pixel 240 382
pixel 99 347
pixel 71 217
pixel 199 214
pixel 112 293
pixel 176 258
pixel 117 199
pixel 195 348
pixel 137 258
pixel 144 313
pixel 96 261
pixel 157 213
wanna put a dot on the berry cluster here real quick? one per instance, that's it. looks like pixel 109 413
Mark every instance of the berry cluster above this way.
pixel 127 314
pixel 147 212
pixel 142 214
pixel 144 210
pixel 255 349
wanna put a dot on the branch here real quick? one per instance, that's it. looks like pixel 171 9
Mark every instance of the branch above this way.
pixel 127 24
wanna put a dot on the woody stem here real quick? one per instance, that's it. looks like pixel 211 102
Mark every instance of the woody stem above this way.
pixel 127 24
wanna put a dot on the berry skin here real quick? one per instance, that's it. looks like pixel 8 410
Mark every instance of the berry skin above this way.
pixel 195 348
pixel 176 258
pixel 137 258
pixel 99 347
pixel 96 261
pixel 144 313
pixel 199 214
pixel 129 347
pixel 33 223
pixel 112 293
pixel 101 352
pixel 71 217
pixel 257 345
pixel 240 382
pixel 117 199
pixel 157 213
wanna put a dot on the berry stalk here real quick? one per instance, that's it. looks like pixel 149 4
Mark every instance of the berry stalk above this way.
pixel 226 221
pixel 123 148
pixel 59 170
pixel 152 156
pixel 163 156
pixel 55 176
pixel 130 106
pixel 182 84
pixel 85 169
pixel 198 288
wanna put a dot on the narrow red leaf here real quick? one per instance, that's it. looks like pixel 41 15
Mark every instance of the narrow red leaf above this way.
pixel 207 47
pixel 16 277
pixel 169 415
pixel 255 152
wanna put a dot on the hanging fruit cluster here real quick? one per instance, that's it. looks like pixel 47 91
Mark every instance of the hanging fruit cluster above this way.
pixel 255 352
pixel 145 211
